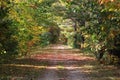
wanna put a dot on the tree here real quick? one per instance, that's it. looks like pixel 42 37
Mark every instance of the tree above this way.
pixel 97 20
pixel 31 18
pixel 8 44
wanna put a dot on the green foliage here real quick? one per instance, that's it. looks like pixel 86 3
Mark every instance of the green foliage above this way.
pixel 50 36
pixel 24 24
pixel 45 39
pixel 99 23
pixel 8 45
pixel 79 40
pixel 27 23
pixel 70 39
pixel 55 32
pixel 31 20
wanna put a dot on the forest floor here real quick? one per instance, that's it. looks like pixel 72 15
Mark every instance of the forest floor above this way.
pixel 57 62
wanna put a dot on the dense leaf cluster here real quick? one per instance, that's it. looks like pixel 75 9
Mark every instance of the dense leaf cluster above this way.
pixel 99 23
pixel 25 24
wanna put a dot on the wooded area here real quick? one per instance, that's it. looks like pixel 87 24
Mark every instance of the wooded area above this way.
pixel 90 25
pixel 89 28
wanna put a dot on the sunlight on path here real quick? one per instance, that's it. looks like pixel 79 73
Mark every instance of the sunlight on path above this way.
pixel 59 46
pixel 63 63
pixel 57 62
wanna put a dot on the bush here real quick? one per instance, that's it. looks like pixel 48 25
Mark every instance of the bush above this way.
pixel 45 39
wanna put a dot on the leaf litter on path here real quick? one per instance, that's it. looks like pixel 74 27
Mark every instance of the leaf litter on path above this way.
pixel 57 62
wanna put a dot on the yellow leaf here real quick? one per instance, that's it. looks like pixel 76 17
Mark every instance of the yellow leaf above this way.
pixel 103 28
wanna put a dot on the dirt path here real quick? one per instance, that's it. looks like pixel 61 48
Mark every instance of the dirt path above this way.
pixel 63 64
pixel 57 62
